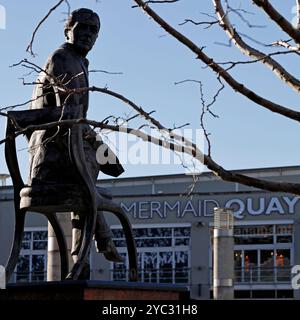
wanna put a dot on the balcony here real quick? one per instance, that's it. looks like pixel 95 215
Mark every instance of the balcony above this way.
pixel 35 276
pixel 149 275
pixel 262 275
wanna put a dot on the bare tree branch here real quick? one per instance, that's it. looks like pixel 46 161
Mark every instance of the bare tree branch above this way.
pixel 192 151
pixel 235 63
pixel 286 44
pixel 233 83
pixel 158 1
pixel 240 13
pixel 29 47
pixel 234 36
pixel 208 161
pixel 279 19
pixel 249 181
pixel 169 138
pixel 104 71
pixel 204 109
pixel 207 23
pixel 20 104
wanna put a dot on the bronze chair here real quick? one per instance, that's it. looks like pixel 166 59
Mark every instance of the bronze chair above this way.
pixel 83 196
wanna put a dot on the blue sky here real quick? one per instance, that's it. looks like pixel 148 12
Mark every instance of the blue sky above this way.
pixel 244 135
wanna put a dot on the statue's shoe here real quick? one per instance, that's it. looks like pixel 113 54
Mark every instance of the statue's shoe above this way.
pixel 108 248
pixel 84 274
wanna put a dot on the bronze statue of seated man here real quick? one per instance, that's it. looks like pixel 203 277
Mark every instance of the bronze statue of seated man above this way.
pixel 50 162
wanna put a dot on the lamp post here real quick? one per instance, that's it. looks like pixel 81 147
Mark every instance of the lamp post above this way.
pixel 223 265
pixel 3 178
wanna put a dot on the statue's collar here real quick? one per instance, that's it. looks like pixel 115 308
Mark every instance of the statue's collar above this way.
pixel 70 47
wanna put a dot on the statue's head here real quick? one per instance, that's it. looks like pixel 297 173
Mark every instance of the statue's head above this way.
pixel 81 29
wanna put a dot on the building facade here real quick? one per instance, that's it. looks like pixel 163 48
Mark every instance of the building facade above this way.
pixel 172 220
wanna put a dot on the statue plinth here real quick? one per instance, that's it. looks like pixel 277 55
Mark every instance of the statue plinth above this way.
pixel 93 290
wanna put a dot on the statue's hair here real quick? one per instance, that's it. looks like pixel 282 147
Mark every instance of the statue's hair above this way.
pixel 73 17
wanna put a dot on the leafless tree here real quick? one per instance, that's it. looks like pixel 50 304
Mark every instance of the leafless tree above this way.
pixel 269 56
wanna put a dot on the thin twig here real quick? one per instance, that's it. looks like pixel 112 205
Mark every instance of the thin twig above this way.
pixel 29 47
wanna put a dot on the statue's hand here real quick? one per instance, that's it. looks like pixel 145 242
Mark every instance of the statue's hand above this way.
pixel 92 137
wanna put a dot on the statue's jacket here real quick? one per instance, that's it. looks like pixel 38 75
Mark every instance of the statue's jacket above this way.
pixel 49 157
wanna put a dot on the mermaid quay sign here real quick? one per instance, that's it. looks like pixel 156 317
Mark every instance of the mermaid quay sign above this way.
pixel 204 208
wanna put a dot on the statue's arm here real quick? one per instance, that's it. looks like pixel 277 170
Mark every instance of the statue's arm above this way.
pixel 61 75
pixel 60 68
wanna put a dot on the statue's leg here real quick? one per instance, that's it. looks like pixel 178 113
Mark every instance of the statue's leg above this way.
pixel 17 242
pixel 104 242
pixel 131 248
pixel 62 245
pixel 81 268
pixel 114 208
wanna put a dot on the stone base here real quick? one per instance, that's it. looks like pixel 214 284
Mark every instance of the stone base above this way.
pixel 93 290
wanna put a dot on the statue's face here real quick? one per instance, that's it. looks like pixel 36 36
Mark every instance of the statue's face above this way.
pixel 83 35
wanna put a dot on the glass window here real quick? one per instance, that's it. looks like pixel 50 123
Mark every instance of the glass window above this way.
pixel 32 264
pixel 120 243
pixel 39 240
pixel 284 229
pixel 238 258
pixel 26 240
pixel 238 265
pixel 284 239
pixel 181 267
pixel 150 266
pixel 119 270
pixel 182 232
pixel 166 267
pixel 152 232
pixel 250 261
pixel 160 242
pixel 118 233
pixel 182 242
pixel 267 265
pixel 168 263
pixel 283 262
pixel 253 230
pixel 39 235
pixel 263 234
pixel 25 245
pixel 253 240
pixel 264 263
pixel 27 236
pixel 38 267
pixel 23 268
pixel 282 258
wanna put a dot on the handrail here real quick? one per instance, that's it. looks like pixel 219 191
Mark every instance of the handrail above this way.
pixel 261 275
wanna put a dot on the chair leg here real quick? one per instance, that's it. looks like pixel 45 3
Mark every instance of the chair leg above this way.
pixel 88 233
pixel 126 225
pixel 62 245
pixel 17 242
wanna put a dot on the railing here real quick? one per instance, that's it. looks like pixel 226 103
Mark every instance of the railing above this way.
pixel 35 276
pixel 164 275
pixel 260 275
pixel 255 275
